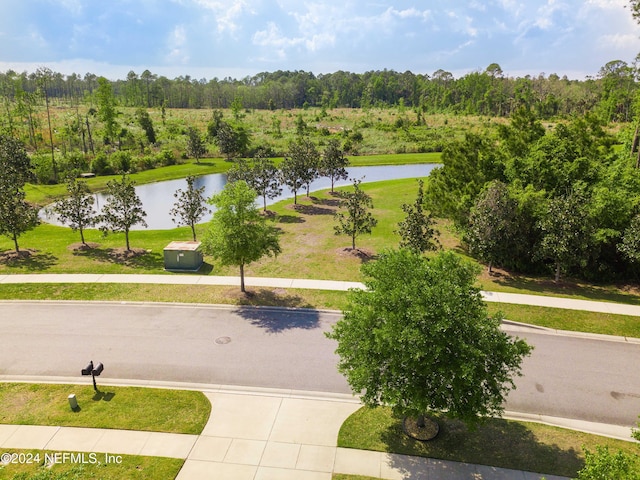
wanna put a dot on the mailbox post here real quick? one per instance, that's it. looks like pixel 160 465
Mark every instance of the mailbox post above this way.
pixel 93 371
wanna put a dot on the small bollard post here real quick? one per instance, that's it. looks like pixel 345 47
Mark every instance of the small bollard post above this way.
pixel 73 401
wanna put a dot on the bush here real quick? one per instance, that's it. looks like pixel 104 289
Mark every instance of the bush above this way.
pixel 121 162
pixel 166 158
pixel 43 169
pixel 100 165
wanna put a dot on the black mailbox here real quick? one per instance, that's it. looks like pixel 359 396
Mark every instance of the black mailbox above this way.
pixel 89 369
pixel 94 372
pixel 98 370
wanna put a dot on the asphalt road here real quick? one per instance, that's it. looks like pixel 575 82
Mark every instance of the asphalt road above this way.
pixel 566 376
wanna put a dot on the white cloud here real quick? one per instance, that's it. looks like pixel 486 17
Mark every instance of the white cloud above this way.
pixel 176 44
pixel 618 40
pixel 228 13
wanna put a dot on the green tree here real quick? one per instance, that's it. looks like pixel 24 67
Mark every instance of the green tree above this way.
pixel 566 231
pixel 299 166
pixel 630 244
pixel 420 340
pixel 145 122
pixel 196 147
pixel 604 464
pixel 17 216
pixel 77 209
pixel 261 174
pixel 107 109
pixel 232 140
pixel 492 224
pixel 417 231
pixel 357 219
pixel 238 234
pixel 305 157
pixel 189 207
pixel 333 163
pixel 122 209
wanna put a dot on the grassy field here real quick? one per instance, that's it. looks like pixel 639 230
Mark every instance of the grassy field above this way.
pixel 127 408
pixel 499 443
pixel 132 467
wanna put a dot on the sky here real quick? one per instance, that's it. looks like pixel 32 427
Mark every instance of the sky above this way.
pixel 208 39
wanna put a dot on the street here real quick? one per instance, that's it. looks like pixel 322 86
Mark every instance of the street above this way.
pixel 566 376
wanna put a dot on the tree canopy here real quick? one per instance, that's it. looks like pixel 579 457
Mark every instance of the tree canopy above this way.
pixel 419 339
pixel 123 208
pixel 238 234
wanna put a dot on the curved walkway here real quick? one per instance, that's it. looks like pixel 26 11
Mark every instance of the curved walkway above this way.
pixel 336 285
pixel 253 434
pixel 272 434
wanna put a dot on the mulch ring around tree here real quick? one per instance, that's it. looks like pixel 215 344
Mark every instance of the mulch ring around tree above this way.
pixel 9 256
pixel 80 247
pixel 424 434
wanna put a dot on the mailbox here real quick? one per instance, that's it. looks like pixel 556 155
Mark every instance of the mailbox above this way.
pixel 98 370
pixel 89 368
pixel 94 372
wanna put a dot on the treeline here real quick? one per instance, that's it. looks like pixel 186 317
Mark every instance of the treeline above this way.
pixel 487 92
pixel 530 199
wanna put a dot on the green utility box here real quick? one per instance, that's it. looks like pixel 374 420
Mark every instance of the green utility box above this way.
pixel 183 257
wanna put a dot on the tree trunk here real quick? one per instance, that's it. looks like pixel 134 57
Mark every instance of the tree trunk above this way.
pixel 557 272
pixel 295 197
pixel 90 137
pixel 353 241
pixel 490 266
pixel 264 201
pixel 15 241
pixel 193 231
pixel 242 289
pixel 332 181
pixel 420 421
pixel 82 236
pixel 126 236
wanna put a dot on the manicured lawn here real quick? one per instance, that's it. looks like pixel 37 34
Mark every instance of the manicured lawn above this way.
pixel 132 467
pixel 499 443
pixel 127 408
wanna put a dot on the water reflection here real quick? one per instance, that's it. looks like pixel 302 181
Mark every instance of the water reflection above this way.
pixel 157 198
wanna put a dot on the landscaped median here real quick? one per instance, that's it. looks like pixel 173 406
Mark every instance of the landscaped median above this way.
pixel 122 408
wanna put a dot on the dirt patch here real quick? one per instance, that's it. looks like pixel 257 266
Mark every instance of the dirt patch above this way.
pixel 81 247
pixel 361 253
pixel 11 255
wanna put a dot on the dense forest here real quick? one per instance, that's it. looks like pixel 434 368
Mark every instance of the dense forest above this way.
pixel 487 92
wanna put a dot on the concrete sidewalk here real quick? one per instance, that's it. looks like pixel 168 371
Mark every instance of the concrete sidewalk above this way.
pixel 257 435
pixel 536 300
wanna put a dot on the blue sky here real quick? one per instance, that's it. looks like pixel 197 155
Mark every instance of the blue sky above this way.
pixel 236 38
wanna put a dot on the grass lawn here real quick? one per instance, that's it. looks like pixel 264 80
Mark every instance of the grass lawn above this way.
pixel 127 408
pixel 132 467
pixel 499 443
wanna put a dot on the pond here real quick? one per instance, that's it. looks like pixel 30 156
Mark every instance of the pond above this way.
pixel 157 198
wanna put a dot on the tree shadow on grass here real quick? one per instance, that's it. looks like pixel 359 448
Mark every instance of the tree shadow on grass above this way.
pixel 329 202
pixel 313 210
pixel 290 219
pixel 136 258
pixel 29 260
pixel 278 320
pixel 496 443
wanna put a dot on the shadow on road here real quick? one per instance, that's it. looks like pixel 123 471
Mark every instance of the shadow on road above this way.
pixel 276 320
